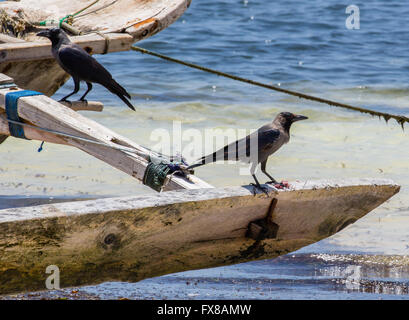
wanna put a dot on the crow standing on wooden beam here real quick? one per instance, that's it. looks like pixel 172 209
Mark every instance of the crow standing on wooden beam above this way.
pixel 81 66
pixel 257 147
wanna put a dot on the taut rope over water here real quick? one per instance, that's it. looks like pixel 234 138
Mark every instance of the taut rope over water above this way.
pixel 387 116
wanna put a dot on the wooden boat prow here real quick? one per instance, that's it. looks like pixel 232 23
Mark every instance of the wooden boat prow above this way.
pixel 317 209
pixel 137 237
pixel 141 19
pixel 108 26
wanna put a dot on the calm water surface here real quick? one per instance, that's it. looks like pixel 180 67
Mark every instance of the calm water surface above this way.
pixel 300 45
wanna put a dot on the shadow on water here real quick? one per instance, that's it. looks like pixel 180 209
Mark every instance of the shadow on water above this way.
pixel 294 276
pixel 28 201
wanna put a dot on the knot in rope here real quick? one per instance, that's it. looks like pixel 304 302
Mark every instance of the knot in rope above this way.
pixel 68 19
pixel 160 167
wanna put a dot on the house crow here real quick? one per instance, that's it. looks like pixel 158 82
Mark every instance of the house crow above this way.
pixel 256 147
pixel 81 66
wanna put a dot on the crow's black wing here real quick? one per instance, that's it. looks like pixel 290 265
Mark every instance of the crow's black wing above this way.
pixel 79 63
pixel 243 149
pixel 259 140
pixel 267 138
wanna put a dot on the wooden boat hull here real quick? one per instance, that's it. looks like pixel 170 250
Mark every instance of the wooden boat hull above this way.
pixel 124 22
pixel 138 237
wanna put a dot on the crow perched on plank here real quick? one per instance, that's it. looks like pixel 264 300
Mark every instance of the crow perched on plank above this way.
pixel 256 147
pixel 81 65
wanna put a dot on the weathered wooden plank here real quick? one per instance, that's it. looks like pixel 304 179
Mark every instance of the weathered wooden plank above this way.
pixel 133 238
pixel 132 16
pixel 132 22
pixel 5 79
pixel 46 113
pixel 45 76
pixel 124 22
pixel 93 43
pixel 8 39
pixel 84 105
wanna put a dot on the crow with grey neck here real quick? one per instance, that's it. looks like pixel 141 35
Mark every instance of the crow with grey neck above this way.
pixel 256 147
pixel 81 66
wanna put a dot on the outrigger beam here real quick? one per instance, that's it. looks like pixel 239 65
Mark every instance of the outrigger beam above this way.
pixel 110 147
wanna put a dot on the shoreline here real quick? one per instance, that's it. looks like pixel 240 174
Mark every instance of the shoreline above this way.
pixel 333 277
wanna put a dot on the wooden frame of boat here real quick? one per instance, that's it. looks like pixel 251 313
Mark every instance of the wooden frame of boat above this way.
pixel 133 238
pixel 137 237
pixel 109 26
pixel 110 147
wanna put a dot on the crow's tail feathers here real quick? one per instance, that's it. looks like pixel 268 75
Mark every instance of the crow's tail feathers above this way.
pixel 198 163
pixel 119 89
pixel 126 101
pixel 195 165
pixel 116 88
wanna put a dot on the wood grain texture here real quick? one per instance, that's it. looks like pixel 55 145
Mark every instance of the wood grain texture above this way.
pixel 84 105
pixel 41 49
pixel 8 39
pixel 30 63
pixel 44 76
pixel 44 112
pixel 5 79
pixel 134 238
pixel 106 15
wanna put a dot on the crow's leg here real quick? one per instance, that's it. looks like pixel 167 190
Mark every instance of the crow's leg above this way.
pixel 278 185
pixel 263 170
pixel 257 184
pixel 89 85
pixel 76 89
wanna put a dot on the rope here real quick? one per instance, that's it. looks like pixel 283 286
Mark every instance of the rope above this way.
pixel 67 135
pixel 96 10
pixel 107 41
pixel 85 8
pixel 387 116
pixel 155 175
pixel 11 102
pixel 159 166
pixel 154 156
pixel 68 19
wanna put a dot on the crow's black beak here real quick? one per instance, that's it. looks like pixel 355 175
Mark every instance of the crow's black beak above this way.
pixel 44 33
pixel 299 117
